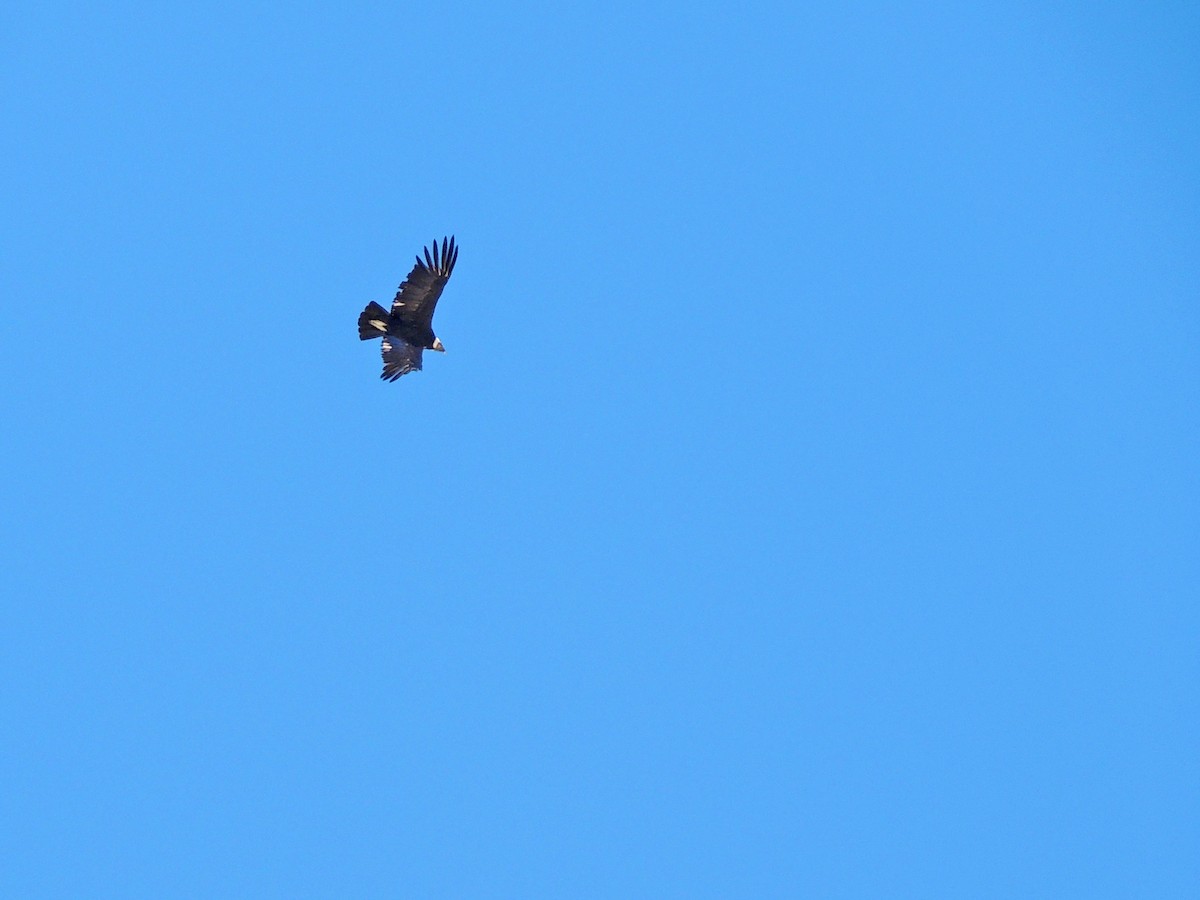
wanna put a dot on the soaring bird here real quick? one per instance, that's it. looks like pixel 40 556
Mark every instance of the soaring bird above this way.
pixel 407 330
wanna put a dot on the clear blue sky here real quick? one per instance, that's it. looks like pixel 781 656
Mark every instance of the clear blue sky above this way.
pixel 807 505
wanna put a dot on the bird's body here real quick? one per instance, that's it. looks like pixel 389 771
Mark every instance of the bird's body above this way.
pixel 407 329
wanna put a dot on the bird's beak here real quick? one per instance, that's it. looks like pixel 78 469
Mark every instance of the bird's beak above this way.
pixel 437 345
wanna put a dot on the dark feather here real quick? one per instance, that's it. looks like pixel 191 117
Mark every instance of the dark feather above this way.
pixel 373 322
pixel 418 295
pixel 399 358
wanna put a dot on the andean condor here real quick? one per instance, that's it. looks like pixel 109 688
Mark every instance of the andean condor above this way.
pixel 407 330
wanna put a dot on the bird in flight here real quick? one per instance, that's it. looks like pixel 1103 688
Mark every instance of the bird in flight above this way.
pixel 407 330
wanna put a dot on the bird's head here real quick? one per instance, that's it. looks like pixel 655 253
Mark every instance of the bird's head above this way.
pixel 437 345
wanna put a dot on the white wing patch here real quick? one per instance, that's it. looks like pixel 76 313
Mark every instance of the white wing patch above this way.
pixel 399 358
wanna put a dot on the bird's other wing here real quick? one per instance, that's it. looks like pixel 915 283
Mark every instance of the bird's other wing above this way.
pixel 418 294
pixel 399 358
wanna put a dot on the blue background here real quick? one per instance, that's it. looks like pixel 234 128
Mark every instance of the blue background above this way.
pixel 807 504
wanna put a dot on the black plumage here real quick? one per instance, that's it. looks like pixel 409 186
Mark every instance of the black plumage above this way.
pixel 407 330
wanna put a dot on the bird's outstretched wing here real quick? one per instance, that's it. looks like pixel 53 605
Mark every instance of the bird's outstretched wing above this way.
pixel 419 293
pixel 399 358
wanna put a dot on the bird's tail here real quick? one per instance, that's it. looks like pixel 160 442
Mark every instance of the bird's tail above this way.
pixel 373 322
